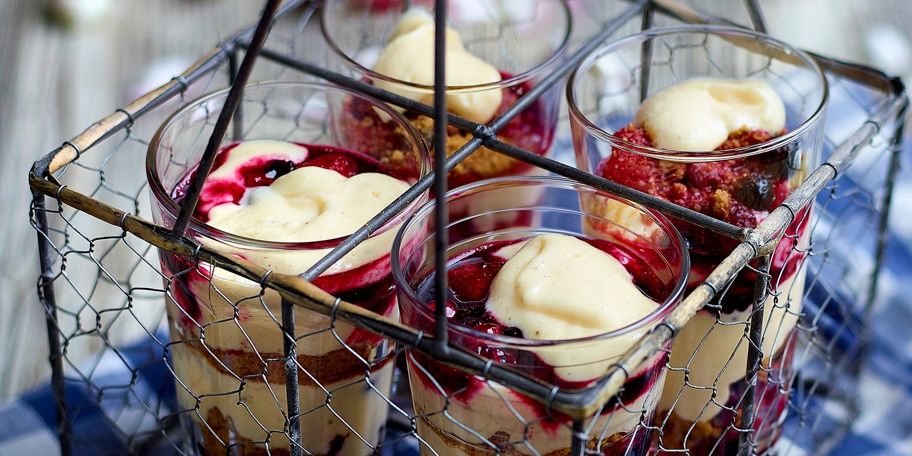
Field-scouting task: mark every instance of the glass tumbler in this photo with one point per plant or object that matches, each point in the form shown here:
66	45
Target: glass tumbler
546	300
726	122
291	180
497	51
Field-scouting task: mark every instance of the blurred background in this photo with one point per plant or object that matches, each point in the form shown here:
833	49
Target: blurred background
65	64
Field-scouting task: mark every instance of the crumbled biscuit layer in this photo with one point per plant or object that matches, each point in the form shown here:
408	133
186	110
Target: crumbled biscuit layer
481	164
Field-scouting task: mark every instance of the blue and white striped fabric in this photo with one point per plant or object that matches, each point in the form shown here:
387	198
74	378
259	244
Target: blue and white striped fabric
132	389
116	409
885	424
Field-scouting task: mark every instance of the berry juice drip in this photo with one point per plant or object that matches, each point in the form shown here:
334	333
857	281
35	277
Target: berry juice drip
470	276
260	172
377	296
740	191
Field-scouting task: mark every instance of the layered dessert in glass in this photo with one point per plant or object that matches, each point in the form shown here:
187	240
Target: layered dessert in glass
495	53
548	301
727	123
290	181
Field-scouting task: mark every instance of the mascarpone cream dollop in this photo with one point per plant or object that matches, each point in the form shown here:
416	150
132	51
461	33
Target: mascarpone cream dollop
307	204
558	287
698	115
409	57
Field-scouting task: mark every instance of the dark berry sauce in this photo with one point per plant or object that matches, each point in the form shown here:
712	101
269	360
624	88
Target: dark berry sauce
740	191
263	171
533	128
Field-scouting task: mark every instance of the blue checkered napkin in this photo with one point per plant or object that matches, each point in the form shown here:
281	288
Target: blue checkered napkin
113	406
884	426
116	408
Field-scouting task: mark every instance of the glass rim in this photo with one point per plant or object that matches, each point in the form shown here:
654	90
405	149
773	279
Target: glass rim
690	156
513	80
656	316
163	196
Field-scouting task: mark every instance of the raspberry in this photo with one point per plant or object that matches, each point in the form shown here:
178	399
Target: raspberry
494	353
471	281
489	328
344	165
634	134
713	174
638	171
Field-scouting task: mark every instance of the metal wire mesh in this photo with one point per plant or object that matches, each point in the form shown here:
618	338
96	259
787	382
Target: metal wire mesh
105	293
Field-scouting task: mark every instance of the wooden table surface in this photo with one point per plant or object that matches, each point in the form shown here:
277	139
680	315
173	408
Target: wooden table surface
55	81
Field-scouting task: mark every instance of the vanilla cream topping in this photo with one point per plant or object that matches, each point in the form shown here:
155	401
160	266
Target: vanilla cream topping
698	115
558	287
409	56
307	204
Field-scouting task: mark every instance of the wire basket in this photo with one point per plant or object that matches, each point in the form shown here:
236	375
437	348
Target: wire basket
105	294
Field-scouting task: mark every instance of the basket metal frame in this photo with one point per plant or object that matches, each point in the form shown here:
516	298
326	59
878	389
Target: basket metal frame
297	291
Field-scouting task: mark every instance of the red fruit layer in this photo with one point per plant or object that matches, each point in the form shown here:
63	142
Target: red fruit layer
361	285
740	191
263	170
469	278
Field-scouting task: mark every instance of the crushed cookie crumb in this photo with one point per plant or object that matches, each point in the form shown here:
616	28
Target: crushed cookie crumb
722	203
482	163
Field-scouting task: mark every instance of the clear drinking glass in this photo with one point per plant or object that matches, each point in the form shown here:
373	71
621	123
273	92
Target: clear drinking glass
586	317
497	51
732	151
226	337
